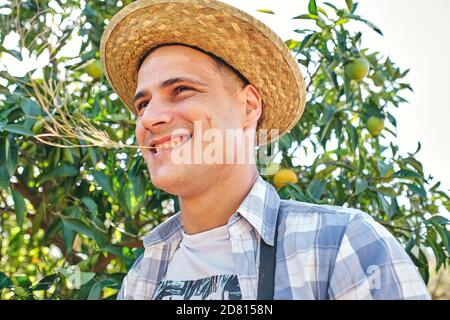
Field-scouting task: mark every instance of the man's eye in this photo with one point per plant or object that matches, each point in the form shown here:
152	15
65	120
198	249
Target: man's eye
181	89
142	105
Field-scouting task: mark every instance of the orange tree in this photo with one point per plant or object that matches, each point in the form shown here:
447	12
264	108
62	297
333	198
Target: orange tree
83	210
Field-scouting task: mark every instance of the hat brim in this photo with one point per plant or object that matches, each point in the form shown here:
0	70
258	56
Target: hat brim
231	34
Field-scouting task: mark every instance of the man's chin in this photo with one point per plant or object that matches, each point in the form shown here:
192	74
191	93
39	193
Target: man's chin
166	179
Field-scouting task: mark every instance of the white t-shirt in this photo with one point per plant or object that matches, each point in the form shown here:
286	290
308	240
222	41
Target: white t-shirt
202	268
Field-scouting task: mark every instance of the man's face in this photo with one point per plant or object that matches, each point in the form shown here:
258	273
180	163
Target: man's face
178	86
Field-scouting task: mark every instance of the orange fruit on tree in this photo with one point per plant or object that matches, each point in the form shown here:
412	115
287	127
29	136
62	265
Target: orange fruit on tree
358	69
283	177
94	69
375	125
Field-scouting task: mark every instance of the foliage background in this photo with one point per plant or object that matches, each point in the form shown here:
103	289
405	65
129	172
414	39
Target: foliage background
89	207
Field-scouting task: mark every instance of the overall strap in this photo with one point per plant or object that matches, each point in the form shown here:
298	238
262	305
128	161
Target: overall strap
267	261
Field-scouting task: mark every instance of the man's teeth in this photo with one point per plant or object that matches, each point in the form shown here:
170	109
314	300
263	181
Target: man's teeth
168	145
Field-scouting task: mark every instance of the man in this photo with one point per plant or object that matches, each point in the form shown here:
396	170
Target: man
195	68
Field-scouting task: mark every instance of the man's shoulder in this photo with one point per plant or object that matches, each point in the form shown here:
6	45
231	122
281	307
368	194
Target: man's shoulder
325	225
328	214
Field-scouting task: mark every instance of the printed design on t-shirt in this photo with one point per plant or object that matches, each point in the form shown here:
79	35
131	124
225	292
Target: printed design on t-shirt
218	287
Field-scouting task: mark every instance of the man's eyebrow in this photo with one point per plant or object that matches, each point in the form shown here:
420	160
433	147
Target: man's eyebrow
167	83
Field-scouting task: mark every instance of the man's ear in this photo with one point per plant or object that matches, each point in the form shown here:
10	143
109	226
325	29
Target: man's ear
253	107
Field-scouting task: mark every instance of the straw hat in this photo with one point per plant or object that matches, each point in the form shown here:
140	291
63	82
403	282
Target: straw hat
238	38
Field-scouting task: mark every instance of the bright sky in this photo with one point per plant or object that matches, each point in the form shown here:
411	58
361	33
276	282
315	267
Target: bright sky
414	37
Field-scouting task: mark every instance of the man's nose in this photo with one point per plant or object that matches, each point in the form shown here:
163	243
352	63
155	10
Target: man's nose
156	116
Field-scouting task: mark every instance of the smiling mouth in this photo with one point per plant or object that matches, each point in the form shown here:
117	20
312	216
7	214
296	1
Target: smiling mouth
164	147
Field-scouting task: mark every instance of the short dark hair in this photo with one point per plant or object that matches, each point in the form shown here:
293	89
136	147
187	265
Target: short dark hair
219	61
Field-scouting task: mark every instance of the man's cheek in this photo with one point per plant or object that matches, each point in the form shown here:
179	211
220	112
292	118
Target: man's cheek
139	134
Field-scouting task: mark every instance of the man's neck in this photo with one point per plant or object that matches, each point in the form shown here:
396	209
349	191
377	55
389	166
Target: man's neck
213	208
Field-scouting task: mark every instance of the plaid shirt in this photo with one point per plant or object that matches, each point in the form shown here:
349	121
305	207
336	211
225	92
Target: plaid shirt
324	252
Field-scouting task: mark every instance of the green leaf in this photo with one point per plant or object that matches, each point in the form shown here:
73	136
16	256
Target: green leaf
296	192
439	220
19	207
415	164
347	90
137	252
361	185
95	292
361	164
45	283
437	252
353	136
312	7
326	132
176	204
436	185
315	189
60	172
266	11
410	244
416	261
308	42
111	283
4	177
124	199
69	237
444	234
19	129
292	43
11	155
419	146
383	168
15	53
342	21
307	16
417	190
40	214
69	234
23	281
331	5
370	24
104	181
385	205
349	5
77	277
93	156
91	205
322	174
78	226
327	115
31	108
390	192
322	11
424	272
408	174
115	250
5	282
139	186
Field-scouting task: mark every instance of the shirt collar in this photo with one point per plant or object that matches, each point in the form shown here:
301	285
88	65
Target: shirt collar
259	208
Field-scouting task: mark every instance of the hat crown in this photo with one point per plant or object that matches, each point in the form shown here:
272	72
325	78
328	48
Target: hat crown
241	40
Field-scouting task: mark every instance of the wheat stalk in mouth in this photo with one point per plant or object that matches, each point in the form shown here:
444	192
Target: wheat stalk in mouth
66	128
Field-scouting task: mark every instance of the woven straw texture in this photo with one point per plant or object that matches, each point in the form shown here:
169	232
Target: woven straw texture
238	38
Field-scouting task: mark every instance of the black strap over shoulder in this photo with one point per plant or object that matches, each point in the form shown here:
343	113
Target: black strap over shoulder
267	261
